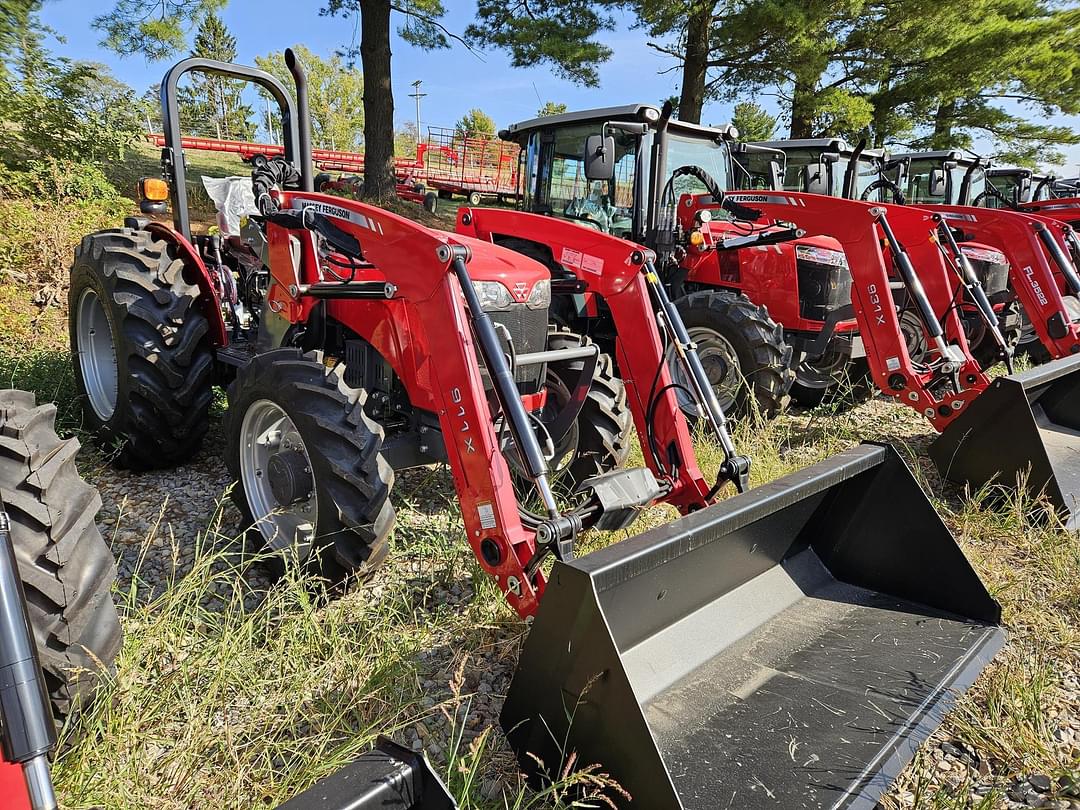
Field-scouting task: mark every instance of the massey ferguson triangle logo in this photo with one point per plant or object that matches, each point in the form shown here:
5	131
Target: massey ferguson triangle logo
521	291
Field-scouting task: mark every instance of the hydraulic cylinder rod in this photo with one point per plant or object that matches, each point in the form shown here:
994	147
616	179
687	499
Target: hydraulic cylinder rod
1064	263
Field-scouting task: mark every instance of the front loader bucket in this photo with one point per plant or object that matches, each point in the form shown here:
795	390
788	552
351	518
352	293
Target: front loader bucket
788	647
1024	426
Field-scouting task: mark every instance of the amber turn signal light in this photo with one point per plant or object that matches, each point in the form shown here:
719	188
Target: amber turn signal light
153	189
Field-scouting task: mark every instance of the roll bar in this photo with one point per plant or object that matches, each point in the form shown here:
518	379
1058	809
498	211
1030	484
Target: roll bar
295	123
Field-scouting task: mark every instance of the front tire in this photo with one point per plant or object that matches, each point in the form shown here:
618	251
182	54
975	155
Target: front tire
67	570
140	347
743	351
311	478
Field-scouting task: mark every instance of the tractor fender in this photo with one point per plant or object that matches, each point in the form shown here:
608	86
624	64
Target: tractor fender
200	275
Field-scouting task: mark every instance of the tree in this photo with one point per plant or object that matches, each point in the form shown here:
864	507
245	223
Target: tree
420	27
550	108
405	140
155	29
335	95
214	105
476	123
753	122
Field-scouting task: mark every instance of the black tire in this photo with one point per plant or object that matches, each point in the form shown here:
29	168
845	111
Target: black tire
67	570
160	338
985	350
854	387
352	480
758	343
605	425
431	202
474	198
445	195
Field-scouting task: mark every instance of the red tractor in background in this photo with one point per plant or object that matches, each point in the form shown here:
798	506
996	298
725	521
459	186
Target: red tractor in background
769	311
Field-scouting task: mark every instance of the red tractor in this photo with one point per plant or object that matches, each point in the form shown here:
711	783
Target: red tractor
354	341
769	310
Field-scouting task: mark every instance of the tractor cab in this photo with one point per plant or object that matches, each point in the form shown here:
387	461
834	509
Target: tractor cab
944	177
1015	186
833	167
638	156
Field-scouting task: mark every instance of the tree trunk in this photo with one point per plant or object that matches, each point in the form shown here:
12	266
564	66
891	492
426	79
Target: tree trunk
378	100
802	110
943	124
692	98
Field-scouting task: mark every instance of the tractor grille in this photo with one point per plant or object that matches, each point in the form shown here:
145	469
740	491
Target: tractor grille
528	329
823	288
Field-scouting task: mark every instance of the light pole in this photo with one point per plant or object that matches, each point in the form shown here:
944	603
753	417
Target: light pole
416	94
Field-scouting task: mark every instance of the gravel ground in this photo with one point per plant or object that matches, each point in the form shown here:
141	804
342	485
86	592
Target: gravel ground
464	688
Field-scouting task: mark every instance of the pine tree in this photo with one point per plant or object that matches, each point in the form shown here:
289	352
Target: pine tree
213	105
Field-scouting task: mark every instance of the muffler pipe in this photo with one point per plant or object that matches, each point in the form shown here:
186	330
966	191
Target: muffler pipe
502	379
27	731
303	113
1064	263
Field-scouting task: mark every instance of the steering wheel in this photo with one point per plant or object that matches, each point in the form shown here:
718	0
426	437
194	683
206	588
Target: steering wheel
884	182
717	193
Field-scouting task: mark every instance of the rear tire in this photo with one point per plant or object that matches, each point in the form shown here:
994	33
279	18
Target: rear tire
726	324
350	511
146	382
67	570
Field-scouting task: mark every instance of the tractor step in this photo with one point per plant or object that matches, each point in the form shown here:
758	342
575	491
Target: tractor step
790	646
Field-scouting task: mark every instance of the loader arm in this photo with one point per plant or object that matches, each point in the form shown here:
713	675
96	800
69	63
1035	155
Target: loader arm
616	270
489	509
1024	241
859	227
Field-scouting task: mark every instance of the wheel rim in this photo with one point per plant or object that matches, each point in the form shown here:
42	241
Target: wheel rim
265	432
97	355
911	328
721	365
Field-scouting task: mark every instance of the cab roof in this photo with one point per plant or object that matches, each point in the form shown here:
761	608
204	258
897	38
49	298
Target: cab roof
830	144
639	113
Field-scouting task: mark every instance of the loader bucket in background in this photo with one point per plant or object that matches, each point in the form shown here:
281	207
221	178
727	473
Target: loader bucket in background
1024	425
788	647
389	777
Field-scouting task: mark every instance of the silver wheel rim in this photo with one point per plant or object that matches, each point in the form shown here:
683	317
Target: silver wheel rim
721	367
97	355
265	430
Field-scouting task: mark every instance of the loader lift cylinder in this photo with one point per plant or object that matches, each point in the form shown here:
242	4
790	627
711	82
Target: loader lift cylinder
26	724
970	279
1068	269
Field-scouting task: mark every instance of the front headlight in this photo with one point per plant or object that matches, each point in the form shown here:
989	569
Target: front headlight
981	254
820	255
494	296
540	297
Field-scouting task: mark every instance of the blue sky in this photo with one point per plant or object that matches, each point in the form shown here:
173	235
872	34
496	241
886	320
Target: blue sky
454	79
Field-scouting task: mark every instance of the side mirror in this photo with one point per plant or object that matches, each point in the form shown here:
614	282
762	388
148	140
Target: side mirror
937	183
599	157
816	178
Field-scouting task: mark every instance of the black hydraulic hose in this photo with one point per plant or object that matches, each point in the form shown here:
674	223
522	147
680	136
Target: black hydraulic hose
852	173
27	732
303	114
1064	263
906	269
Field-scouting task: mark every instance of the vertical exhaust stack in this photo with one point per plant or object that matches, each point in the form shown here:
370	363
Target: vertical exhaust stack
303	123
1024	426
791	646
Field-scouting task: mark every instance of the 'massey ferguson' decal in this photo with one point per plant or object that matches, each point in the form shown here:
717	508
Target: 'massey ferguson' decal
957	215
775	199
336	211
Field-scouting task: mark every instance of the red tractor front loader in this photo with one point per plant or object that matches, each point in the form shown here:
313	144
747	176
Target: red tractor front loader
433	348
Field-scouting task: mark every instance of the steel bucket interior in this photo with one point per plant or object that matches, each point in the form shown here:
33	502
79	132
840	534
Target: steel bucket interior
789	647
1023	428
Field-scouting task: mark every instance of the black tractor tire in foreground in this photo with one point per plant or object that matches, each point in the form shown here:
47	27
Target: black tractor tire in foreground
350	511
721	322
1010	321
67	570
602	435
131	310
